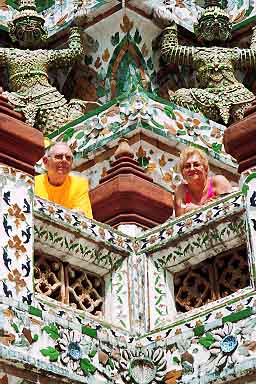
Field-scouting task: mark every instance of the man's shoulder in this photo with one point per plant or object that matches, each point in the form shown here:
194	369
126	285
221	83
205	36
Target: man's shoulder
78	181
39	178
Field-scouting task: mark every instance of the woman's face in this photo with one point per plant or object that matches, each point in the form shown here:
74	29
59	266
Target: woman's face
193	168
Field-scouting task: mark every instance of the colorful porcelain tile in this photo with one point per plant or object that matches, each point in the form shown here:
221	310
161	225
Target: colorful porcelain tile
16	233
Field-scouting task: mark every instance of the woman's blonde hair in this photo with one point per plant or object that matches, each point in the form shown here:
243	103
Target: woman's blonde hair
189	151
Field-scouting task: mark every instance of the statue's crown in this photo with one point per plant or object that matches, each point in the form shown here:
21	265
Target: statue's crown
27	9
214	23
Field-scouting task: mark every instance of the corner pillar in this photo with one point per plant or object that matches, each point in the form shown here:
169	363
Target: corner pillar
21	146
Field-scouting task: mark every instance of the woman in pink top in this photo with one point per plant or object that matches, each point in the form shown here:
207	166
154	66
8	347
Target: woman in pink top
199	187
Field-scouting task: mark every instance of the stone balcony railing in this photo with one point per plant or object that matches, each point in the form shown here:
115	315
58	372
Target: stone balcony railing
139	321
138	272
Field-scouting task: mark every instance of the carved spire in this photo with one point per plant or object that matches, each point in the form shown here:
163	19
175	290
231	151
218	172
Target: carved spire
214	24
127	195
125	164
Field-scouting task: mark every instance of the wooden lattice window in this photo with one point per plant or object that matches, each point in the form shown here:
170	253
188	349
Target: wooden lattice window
211	280
68	284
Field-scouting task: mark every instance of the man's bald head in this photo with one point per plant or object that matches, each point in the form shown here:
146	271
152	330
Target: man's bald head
58	147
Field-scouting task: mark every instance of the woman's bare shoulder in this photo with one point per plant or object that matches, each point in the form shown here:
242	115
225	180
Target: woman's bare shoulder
221	184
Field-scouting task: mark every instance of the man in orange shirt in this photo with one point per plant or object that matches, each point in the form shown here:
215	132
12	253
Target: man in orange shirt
58	186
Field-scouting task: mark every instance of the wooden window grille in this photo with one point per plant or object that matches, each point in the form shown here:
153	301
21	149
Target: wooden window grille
68	284
212	279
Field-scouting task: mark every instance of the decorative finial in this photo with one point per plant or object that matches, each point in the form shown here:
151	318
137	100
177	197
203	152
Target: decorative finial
123	149
27	4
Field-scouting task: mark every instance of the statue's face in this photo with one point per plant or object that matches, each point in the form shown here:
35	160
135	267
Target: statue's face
28	32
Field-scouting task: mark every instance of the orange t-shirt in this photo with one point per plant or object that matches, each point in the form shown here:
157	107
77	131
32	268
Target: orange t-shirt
72	194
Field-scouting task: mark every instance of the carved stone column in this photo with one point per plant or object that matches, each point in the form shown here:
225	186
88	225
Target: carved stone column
20	147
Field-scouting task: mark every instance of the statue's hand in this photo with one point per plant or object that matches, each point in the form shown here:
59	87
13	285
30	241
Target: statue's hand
74	31
163	17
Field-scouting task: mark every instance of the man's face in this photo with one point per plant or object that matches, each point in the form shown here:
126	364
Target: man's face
59	162
194	169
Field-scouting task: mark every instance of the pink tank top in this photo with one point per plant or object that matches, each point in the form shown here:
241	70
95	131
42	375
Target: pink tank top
210	193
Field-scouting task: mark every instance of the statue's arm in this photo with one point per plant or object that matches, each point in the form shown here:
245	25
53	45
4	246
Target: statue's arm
67	56
171	51
4	56
247	57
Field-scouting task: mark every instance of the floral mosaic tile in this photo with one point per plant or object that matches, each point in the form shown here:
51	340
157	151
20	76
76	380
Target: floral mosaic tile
249	190
16	233
183	226
80	224
186	12
59	14
214	342
231	334
143	112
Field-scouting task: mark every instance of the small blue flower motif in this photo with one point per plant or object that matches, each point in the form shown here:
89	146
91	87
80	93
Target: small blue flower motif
74	351
228	344
222	350
71	351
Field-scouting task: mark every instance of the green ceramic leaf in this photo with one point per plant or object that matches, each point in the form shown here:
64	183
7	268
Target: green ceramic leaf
92	353
35	338
169	112
87	366
123	323
114	127
68	134
51	352
176	360
216	147
110	363
15	327
102	74
199	330
207	340
92	332
80	135
143	161
52	331
35	311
